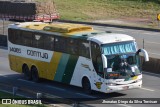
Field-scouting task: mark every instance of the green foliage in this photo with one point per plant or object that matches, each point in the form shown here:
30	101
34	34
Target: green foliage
7	95
105	9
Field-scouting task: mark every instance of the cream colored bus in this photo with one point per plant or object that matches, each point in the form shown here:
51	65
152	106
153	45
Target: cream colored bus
75	54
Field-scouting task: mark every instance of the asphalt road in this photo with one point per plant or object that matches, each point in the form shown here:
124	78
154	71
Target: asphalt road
150	89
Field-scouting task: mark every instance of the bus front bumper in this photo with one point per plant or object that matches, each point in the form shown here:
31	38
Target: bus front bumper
117	88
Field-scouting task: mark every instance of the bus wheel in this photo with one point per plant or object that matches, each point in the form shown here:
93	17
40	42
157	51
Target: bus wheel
27	73
86	85
35	76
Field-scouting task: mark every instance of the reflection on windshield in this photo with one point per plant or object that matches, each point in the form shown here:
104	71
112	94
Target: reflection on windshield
126	65
115	60
122	60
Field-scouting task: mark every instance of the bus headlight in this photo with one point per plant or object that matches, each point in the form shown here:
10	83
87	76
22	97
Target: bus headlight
111	84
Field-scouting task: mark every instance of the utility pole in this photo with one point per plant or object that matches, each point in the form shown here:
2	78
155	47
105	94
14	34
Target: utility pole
3	26
143	43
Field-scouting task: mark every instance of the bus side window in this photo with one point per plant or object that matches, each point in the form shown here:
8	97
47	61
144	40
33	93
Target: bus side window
26	38
60	44
96	56
72	46
84	48
95	50
49	42
38	41
18	37
11	35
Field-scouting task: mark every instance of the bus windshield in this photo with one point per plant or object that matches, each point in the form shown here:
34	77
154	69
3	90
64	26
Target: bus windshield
119	48
122	59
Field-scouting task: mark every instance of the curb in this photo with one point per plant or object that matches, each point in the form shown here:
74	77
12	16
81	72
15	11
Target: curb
111	25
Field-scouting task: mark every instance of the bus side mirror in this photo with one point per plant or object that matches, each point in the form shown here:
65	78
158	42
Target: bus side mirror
145	54
104	60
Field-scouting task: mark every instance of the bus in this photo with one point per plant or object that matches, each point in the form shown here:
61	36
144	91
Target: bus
77	55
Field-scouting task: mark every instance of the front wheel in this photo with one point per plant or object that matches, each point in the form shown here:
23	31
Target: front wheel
86	85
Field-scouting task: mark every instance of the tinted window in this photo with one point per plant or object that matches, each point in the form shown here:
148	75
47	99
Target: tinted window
95	50
60	44
49	42
38	41
84	48
72	46
96	57
17	37
26	38
11	35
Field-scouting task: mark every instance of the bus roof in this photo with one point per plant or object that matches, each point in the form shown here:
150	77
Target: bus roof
75	31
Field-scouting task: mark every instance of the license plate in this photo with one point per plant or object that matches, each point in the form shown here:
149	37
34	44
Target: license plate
126	87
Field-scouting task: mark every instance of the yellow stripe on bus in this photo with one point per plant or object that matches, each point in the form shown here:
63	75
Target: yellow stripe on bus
79	32
54	65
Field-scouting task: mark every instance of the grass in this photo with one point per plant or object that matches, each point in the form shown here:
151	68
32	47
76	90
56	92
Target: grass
90	10
100	9
7	95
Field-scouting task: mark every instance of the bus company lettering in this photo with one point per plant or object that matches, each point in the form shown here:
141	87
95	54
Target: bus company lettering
37	54
13	49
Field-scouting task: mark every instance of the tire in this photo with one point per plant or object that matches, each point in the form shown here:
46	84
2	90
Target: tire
27	73
35	76
86	85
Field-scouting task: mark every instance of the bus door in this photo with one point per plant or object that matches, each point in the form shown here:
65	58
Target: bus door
97	61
